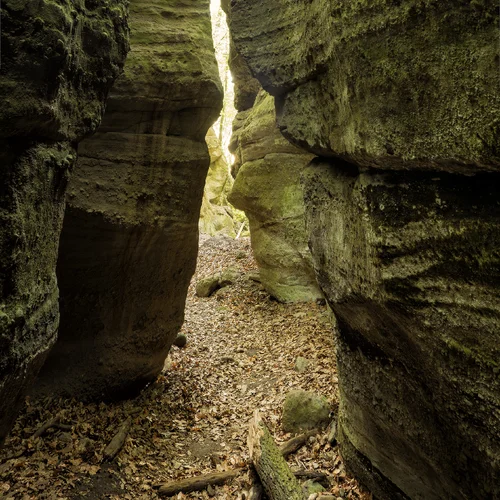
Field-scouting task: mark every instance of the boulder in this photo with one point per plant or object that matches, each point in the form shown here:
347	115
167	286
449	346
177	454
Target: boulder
301	364
207	286
267	188
310	487
229	276
304	410
59	60
130	237
379	85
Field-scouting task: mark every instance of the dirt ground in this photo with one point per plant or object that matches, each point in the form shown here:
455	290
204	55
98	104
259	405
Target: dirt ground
240	356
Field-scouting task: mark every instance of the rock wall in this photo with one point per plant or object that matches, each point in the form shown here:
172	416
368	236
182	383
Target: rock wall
216	215
267	188
59	60
129	241
401	102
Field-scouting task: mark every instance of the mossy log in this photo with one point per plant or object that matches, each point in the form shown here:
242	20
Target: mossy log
277	478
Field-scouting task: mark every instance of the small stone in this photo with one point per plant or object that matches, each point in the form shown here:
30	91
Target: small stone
211	491
311	487
301	364
180	341
304	410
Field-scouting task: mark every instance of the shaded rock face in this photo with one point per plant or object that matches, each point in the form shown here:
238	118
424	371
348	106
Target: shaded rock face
401	101
59	60
267	188
410	264
129	241
216	216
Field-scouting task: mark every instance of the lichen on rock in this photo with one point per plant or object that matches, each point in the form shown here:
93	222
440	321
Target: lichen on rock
267	188
59	59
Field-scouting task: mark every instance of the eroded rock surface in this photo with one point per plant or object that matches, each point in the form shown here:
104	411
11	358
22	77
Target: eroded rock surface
216	216
267	188
401	100
129	242
393	85
59	60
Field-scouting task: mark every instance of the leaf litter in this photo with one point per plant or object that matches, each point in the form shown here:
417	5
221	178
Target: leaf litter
240	356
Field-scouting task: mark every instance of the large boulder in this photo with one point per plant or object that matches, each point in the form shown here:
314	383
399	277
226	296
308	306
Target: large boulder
59	60
130	237
401	100
267	188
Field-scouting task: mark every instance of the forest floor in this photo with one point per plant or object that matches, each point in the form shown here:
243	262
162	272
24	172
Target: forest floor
240	356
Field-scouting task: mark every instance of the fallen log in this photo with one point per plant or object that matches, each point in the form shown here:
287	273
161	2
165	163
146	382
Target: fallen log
118	440
276	477
197	483
294	444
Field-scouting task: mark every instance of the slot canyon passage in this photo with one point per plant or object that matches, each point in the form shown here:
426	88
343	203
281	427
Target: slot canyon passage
333	263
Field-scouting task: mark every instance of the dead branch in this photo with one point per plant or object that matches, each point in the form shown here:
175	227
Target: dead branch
197	483
51	422
294	444
118	440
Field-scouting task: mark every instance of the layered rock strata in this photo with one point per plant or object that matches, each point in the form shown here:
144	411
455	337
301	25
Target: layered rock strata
129	241
58	62
267	188
401	101
216	216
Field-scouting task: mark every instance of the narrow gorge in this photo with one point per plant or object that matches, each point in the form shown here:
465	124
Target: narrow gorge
351	231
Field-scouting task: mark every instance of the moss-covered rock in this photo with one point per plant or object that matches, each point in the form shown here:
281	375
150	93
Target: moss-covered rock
216	215
402	84
267	188
304	410
59	59
129	242
410	266
408	260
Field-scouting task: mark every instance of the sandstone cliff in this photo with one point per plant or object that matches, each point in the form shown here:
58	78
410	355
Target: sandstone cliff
129	241
59	60
216	215
401	101
267	188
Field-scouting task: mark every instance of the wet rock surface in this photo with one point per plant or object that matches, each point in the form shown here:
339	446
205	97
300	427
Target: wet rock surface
129	241
59	60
